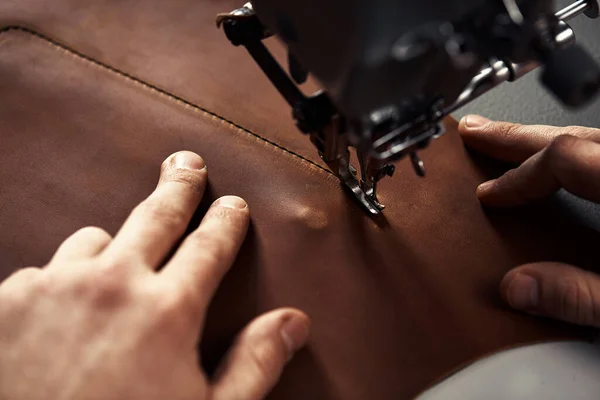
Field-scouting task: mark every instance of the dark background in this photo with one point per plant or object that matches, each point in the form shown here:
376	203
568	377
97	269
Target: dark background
527	102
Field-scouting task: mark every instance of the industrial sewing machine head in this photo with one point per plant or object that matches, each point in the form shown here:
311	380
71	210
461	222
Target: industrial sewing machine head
391	70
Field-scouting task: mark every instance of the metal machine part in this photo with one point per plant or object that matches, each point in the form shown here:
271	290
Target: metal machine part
393	71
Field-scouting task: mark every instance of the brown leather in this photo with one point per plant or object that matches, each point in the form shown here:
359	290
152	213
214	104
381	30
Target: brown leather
396	303
174	45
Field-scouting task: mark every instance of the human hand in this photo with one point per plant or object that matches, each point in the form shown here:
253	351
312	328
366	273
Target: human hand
551	158
100	322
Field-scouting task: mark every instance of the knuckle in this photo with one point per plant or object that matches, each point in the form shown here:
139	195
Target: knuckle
576	303
508	130
516	137
518	186
23	275
581	132
560	153
202	238
562	145
573	130
168	308
229	216
193	179
106	286
512	183
16	289
92	231
510	175
568	301
167	213
174	311
34	280
12	299
41	283
265	357
211	246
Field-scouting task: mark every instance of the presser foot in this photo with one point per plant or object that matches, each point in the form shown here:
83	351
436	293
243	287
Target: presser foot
332	142
347	174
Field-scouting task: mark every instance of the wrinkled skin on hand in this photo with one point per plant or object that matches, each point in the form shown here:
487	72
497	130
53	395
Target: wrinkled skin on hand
550	159
100	322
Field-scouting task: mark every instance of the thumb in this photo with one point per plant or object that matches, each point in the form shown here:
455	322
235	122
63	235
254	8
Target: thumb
255	362
555	290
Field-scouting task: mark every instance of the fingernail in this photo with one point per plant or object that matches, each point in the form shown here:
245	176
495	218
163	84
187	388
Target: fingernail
231	202
188	160
475	121
485	187
294	333
523	292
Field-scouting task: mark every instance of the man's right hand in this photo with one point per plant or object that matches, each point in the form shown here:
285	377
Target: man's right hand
551	158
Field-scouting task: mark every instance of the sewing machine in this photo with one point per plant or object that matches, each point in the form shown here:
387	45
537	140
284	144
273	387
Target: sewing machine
393	70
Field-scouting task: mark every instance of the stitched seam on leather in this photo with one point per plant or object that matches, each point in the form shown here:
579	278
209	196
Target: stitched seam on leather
158	90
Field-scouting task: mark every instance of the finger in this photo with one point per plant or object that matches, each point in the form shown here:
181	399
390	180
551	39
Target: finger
556	290
569	163
14	289
514	142
158	222
206	254
20	277
85	243
257	358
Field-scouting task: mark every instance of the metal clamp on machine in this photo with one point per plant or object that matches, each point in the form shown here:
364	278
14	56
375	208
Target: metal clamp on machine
393	71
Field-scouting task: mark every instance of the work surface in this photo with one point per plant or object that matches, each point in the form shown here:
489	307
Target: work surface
87	117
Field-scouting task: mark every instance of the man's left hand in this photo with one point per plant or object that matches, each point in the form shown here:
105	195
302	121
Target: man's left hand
550	158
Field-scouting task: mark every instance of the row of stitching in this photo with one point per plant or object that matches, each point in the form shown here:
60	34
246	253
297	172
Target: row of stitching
160	91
